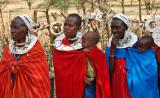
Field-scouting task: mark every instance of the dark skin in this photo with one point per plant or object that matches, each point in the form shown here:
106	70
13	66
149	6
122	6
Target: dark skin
143	45
88	40
19	30
118	29
70	28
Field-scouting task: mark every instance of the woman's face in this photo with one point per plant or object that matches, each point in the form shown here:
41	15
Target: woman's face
18	30
70	28
118	28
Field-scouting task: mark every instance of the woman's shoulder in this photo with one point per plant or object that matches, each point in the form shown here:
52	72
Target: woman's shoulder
133	35
130	40
6	48
58	43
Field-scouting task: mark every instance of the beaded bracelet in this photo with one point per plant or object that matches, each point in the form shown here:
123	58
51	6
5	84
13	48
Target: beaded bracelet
112	55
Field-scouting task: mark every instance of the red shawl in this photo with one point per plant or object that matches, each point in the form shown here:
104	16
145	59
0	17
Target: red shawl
119	80
157	53
32	74
70	73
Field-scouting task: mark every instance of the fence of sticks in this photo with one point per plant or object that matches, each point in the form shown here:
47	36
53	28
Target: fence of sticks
98	21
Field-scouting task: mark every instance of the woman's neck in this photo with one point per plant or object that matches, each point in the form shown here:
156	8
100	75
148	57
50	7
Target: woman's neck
72	41
20	43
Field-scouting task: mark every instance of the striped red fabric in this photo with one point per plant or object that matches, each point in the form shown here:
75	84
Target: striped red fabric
102	75
70	73
31	71
157	53
119	87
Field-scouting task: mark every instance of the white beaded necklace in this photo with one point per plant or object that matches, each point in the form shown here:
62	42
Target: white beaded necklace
20	44
29	43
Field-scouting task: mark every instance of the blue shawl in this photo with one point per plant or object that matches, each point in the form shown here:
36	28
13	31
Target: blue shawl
142	73
119	53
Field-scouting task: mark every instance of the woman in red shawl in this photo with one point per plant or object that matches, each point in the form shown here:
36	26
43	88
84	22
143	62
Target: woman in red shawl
24	70
70	64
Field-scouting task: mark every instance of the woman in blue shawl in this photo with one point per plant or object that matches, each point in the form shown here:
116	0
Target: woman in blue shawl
138	68
142	73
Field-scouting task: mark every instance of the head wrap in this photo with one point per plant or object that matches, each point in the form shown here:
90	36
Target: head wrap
30	41
123	18
28	21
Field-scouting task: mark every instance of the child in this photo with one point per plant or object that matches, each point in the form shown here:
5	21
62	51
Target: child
145	43
89	40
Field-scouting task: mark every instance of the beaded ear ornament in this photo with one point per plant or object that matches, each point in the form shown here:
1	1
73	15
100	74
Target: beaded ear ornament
157	24
155	31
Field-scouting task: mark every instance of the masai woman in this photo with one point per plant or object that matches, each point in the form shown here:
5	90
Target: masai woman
24	71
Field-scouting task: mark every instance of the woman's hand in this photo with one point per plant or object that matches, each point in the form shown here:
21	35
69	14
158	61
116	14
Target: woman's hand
114	42
112	54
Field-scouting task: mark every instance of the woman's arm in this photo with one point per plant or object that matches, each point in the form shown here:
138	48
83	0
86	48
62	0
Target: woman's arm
112	55
111	62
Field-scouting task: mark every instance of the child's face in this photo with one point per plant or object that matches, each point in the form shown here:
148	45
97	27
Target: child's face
86	41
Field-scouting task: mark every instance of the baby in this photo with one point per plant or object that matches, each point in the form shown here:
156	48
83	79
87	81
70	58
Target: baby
145	43
89	40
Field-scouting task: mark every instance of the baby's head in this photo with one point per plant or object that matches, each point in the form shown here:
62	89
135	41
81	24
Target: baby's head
90	39
145	42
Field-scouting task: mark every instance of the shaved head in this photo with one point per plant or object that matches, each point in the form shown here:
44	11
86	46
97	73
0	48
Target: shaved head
93	35
90	39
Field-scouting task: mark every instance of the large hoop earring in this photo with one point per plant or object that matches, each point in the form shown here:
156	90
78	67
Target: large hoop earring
150	29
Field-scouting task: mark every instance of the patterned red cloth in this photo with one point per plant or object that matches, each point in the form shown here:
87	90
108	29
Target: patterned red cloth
31	71
70	73
119	80
157	53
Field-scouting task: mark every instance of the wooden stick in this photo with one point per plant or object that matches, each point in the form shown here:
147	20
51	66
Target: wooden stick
63	14
51	47
3	26
35	16
122	3
140	10
55	18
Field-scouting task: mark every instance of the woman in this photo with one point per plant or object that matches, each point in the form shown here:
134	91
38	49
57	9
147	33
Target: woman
116	53
70	65
24	71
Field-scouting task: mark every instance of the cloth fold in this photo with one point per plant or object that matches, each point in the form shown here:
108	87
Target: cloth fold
119	86
70	73
31	71
142	73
